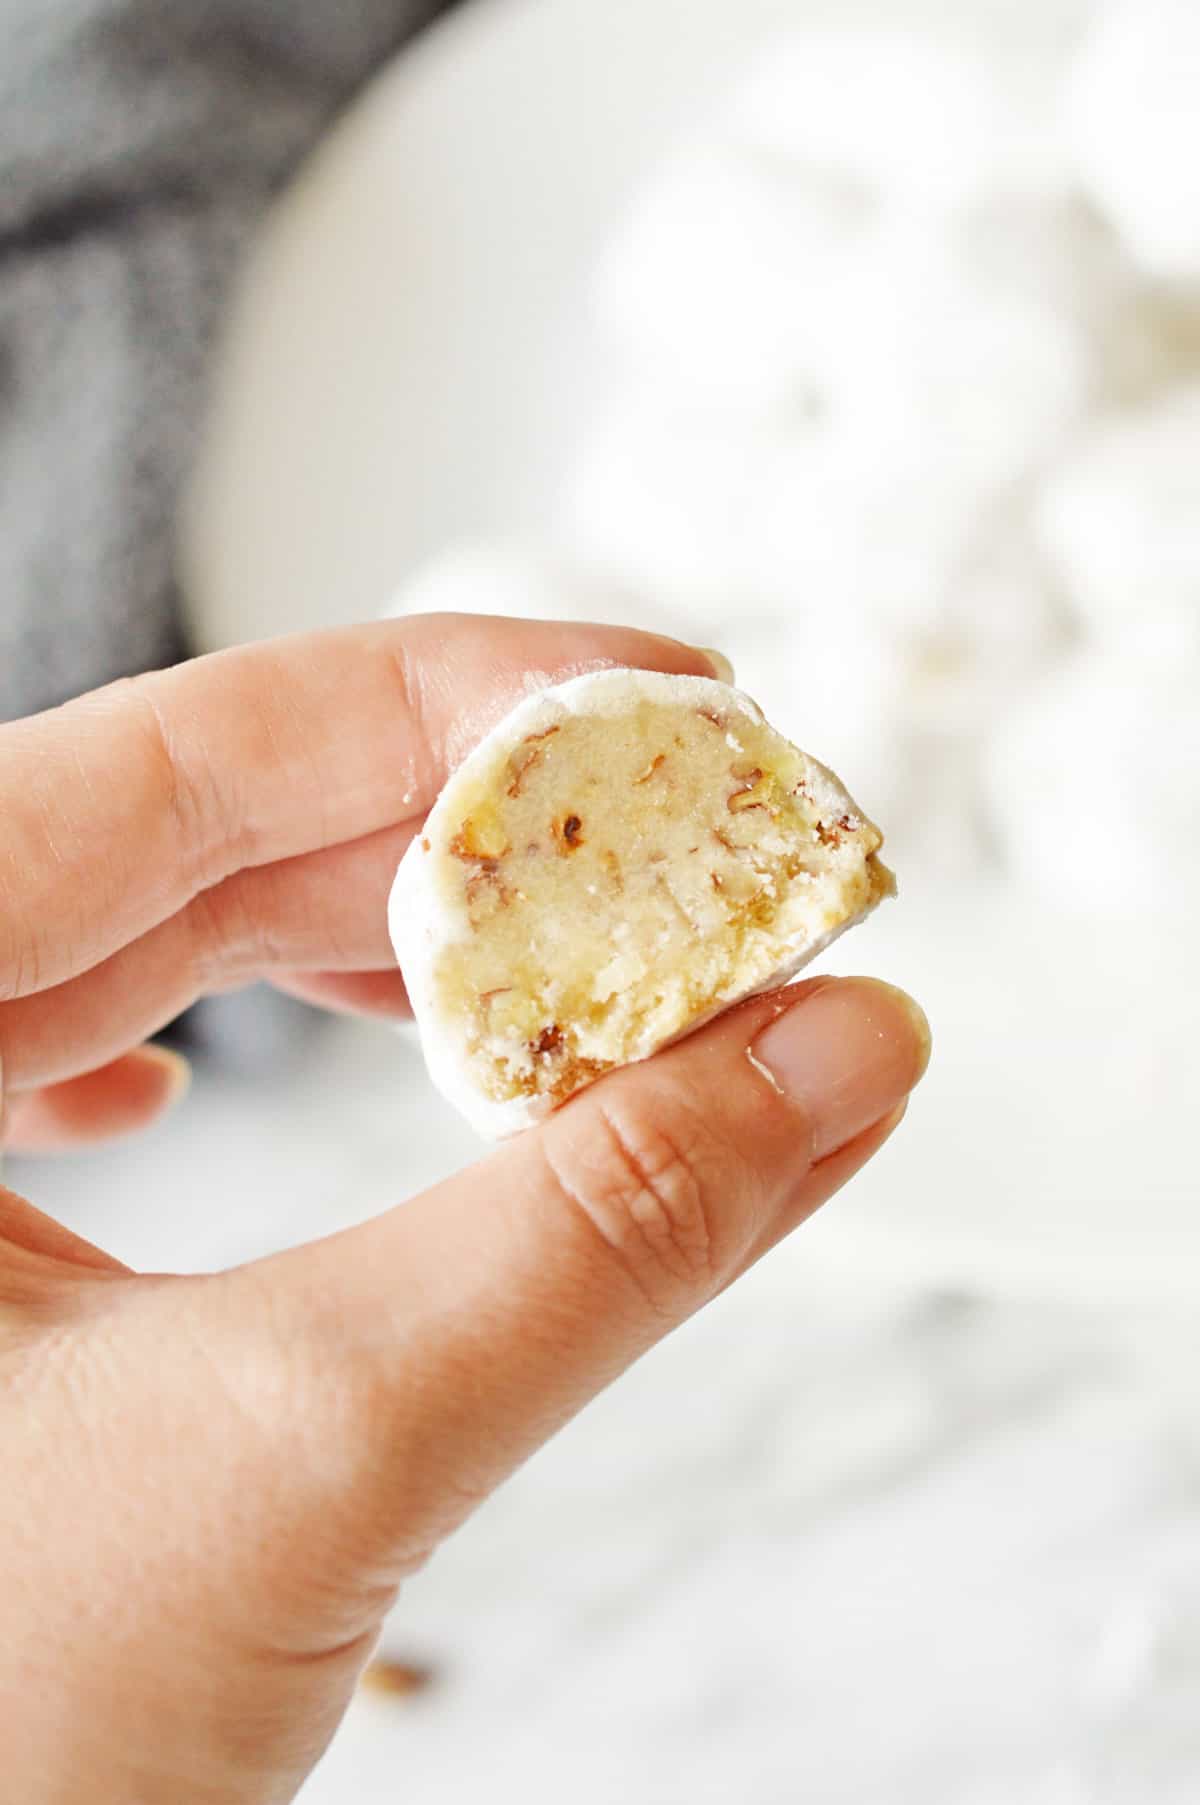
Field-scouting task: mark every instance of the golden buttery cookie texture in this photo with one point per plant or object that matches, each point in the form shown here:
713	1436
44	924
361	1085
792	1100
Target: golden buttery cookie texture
624	856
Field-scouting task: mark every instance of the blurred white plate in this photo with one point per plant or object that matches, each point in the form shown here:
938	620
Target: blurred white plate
404	365
407	364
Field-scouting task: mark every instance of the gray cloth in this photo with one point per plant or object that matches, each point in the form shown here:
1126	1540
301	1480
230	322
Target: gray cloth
140	141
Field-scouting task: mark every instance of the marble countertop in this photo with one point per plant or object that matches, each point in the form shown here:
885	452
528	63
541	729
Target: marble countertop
854	1538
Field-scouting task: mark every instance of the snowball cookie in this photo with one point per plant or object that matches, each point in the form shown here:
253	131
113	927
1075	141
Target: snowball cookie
727	284
622	857
880	107
1133	110
1122	518
1094	786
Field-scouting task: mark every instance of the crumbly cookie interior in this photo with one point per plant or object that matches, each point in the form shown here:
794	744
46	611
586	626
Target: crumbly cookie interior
619	877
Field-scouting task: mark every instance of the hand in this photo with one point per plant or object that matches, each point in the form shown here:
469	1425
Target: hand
213	1487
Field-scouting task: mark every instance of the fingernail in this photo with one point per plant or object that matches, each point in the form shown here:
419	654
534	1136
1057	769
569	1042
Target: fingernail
721	667
176	1070
848	1053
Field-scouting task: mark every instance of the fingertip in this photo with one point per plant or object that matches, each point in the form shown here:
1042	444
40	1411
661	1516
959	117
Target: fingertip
902	1004
847	1052
165	1075
720	666
119	1099
679	658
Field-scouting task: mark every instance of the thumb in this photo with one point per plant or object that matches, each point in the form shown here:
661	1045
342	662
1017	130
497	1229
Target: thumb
475	1320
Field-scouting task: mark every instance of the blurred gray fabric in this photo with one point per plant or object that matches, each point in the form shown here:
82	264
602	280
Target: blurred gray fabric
140	141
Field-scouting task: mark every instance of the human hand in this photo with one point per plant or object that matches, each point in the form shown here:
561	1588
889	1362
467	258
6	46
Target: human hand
213	1486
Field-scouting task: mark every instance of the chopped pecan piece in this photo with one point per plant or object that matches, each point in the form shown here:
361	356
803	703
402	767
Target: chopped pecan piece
569	833
832	836
575	1073
521	768
754	790
486	891
521	764
481	836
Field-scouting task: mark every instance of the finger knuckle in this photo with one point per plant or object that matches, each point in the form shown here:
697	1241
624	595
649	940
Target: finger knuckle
231	939
205	818
649	1180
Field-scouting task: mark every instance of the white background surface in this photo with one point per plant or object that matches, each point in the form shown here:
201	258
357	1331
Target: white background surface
914	1514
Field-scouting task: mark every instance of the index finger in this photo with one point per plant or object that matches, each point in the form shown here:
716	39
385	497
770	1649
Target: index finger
117	809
